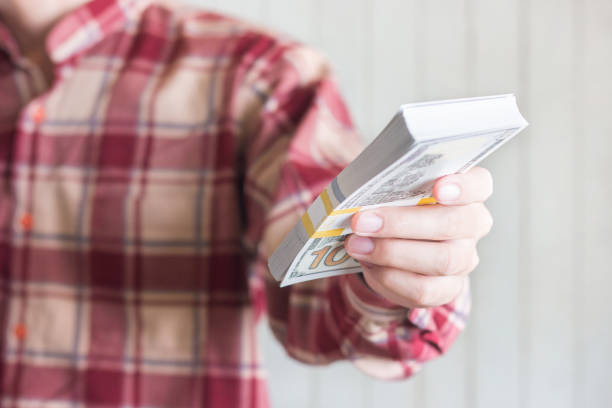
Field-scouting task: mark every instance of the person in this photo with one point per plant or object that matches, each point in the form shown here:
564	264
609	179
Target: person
152	158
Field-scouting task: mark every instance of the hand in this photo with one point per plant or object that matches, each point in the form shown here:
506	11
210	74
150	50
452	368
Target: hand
421	256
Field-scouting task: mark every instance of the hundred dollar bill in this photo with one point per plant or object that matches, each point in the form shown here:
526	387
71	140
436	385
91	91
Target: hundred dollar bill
422	142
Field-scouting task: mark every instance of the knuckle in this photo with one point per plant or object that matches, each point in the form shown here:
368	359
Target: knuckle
475	260
471	261
450	224
455	290
481	220
487	221
421	294
386	279
445	259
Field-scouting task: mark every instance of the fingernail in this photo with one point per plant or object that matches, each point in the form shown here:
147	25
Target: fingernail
360	245
368	222
449	192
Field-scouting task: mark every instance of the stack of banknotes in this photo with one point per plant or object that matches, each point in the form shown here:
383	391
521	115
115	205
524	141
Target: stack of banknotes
421	143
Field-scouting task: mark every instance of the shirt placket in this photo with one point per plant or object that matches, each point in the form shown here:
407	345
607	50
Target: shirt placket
30	121
31	87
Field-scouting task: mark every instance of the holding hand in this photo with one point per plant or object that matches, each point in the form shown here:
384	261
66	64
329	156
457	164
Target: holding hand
420	256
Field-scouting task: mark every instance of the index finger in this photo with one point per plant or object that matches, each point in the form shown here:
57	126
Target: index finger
475	186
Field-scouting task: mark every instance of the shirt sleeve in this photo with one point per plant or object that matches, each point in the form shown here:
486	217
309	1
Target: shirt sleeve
298	137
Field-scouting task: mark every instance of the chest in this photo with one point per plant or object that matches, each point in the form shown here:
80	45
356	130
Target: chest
116	159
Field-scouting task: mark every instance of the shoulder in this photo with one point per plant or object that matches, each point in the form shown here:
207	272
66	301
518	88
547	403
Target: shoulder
202	35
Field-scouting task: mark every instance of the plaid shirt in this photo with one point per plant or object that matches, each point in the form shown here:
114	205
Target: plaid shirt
140	194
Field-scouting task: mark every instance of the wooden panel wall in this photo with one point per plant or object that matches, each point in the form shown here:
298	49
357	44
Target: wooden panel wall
540	334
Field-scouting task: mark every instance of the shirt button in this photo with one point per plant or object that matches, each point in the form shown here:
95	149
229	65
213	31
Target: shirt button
20	331
39	114
26	221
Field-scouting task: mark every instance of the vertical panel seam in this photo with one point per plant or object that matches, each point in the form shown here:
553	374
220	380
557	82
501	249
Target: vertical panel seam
471	365
578	234
524	292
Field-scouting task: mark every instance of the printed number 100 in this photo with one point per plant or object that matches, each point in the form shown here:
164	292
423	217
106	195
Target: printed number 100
329	256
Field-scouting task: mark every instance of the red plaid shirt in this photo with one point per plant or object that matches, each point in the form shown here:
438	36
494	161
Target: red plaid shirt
136	190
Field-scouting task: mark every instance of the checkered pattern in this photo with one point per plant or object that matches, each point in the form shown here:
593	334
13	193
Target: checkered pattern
140	194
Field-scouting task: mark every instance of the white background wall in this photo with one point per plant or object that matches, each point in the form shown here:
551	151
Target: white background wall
540	334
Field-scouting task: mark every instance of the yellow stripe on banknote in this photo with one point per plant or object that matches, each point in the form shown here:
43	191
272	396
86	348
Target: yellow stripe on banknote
307	223
326	202
346	211
328	233
427	201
